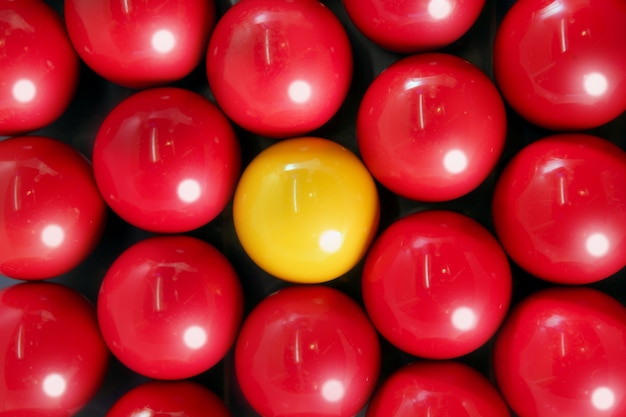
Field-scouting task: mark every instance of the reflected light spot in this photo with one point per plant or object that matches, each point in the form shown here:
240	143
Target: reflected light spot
142	413
189	190
299	91
597	245
195	337
24	91
595	84
54	385
163	41
463	318
52	236
455	161
603	398
331	241
333	390
439	9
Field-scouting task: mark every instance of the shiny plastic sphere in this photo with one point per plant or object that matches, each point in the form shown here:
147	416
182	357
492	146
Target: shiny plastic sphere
40	68
169	399
53	359
414	25
307	351
431	127
51	214
561	353
436	284
279	68
437	389
558	208
170	306
560	63
140	43
166	160
306	210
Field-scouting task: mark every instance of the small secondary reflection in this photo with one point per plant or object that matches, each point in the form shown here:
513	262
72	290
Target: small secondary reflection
163	41
597	245
24	91
142	413
195	337
595	84
299	91
463	318
333	390
439	9
330	241
54	385
189	190
52	236
455	161
603	398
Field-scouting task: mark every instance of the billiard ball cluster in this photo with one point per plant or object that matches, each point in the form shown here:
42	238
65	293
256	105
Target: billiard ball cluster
299	208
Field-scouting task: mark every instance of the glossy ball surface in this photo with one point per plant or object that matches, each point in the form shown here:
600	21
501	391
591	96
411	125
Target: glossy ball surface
40	68
437	389
53	357
166	160
560	63
140	43
306	210
169	399
436	284
170	306
561	352
414	25
279	68
431	127
51	213
558	208
307	350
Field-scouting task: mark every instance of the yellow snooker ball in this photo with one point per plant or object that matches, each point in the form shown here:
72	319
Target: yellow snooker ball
306	210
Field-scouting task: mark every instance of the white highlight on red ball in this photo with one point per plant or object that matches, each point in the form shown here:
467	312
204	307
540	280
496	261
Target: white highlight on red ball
603	398
189	190
463	318
595	84
52	236
24	91
195	337
163	41
142	413
331	241
299	91
333	390
455	161
597	245
54	385
439	9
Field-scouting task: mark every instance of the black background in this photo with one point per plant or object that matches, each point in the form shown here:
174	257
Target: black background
96	97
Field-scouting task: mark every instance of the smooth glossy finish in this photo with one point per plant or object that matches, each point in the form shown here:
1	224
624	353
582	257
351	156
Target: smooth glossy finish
561	353
39	66
306	210
307	350
431	127
170	306
412	26
140	43
436	284
560	63
279	68
437	389
53	357
169	399
166	160
51	214
558	208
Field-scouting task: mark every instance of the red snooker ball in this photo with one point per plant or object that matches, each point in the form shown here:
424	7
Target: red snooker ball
436	284
53	357
51	213
437	389
558	208
431	127
39	66
414	25
560	63
166	160
170	306
561	353
307	350
279	68
140	44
